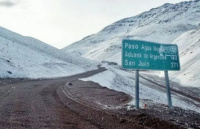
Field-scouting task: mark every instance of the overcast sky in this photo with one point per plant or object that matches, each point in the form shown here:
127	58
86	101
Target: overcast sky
62	22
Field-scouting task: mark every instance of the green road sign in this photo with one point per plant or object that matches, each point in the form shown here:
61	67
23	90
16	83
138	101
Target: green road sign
148	55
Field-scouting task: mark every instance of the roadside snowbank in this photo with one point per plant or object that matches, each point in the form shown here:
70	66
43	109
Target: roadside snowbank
112	79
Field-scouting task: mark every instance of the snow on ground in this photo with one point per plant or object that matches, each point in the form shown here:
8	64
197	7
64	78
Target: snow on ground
121	80
189	46
25	57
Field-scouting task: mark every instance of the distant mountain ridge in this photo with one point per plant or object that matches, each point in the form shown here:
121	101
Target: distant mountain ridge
164	24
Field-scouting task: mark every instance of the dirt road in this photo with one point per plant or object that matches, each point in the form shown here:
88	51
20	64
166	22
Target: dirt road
68	103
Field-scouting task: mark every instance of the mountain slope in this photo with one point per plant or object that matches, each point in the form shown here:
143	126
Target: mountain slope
170	23
189	46
26	57
162	24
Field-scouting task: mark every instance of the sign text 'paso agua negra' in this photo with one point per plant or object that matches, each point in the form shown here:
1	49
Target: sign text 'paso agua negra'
148	55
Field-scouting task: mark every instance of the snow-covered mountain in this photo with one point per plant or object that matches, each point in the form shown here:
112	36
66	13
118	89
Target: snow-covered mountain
26	57
165	24
189	47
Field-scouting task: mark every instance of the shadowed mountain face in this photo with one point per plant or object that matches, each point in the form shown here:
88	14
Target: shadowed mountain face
163	24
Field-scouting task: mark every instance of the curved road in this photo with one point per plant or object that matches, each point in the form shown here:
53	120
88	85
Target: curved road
52	103
41	104
35	104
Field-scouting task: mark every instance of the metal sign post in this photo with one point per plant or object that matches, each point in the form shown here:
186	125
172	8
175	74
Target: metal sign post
137	89
168	89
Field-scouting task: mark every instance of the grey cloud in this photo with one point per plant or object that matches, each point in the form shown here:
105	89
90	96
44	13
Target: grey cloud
7	3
